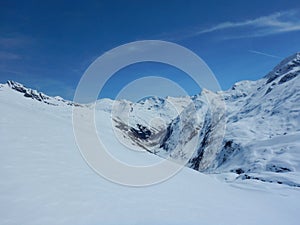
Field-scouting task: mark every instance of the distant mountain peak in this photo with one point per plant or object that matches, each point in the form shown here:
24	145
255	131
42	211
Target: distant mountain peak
153	99
289	66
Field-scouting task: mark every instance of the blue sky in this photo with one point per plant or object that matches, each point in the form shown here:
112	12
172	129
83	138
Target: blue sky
47	45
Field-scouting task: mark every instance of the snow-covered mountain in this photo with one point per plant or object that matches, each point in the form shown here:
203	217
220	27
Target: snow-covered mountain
262	117
44	179
262	127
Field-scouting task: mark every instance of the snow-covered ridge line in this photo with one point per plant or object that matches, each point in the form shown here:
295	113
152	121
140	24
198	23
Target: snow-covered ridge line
39	96
287	67
263	120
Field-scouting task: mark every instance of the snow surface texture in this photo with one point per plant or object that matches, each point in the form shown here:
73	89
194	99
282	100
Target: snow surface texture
46	181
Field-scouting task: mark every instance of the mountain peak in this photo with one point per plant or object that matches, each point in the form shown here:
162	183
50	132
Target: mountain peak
29	93
15	85
289	66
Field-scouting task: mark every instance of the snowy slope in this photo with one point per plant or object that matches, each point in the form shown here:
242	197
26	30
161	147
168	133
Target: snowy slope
46	181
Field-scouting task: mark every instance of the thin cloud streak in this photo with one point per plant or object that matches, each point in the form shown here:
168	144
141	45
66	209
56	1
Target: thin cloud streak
276	23
265	54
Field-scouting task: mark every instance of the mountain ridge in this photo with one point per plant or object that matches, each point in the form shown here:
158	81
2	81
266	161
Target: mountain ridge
265	111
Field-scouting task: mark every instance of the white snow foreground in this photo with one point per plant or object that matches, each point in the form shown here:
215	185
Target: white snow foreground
44	179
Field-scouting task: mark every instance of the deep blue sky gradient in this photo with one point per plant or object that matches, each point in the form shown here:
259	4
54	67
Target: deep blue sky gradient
48	45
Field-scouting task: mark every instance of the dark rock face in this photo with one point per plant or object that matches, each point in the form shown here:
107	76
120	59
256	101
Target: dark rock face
140	135
142	132
268	91
239	171
228	150
287	77
16	86
166	137
268	180
205	133
278	169
28	93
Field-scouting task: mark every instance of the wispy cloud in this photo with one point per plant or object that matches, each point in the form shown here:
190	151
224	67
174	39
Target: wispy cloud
265	54
275	23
